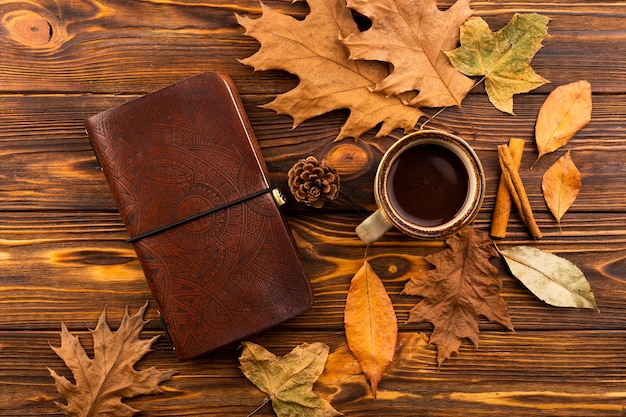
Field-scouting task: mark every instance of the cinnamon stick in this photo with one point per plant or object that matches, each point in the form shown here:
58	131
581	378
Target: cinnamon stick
517	191
502	208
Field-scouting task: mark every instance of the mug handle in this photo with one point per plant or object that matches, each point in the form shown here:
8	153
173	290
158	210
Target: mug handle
374	227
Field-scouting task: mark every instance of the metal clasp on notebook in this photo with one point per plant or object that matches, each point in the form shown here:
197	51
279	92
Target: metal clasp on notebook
279	197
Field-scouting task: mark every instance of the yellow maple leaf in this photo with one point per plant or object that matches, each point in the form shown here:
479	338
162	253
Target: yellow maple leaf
288	380
502	58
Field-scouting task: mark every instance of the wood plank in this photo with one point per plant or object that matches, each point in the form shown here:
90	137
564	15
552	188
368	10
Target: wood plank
69	267
568	373
44	151
98	47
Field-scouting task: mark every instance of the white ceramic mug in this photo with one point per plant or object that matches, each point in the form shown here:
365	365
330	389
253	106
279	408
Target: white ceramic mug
429	184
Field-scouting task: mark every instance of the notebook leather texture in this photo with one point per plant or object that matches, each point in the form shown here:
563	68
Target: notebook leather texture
193	190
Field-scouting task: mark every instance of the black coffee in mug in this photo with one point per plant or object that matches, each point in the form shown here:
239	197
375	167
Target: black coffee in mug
427	184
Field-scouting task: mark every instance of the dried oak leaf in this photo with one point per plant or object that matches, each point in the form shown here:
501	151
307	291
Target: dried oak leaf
312	50
103	381
561	184
503	58
463	286
288	381
370	324
566	110
412	35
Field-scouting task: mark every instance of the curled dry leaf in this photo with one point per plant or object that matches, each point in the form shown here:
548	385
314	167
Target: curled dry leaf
288	381
370	324
415	47
312	50
503	57
554	280
561	184
564	112
342	376
463	286
103	381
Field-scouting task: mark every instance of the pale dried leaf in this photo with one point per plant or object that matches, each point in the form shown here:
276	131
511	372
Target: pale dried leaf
312	50
288	380
553	279
463	286
564	112
103	381
561	184
412	35
370	323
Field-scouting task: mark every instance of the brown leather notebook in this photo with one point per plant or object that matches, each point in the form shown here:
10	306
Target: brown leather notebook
194	192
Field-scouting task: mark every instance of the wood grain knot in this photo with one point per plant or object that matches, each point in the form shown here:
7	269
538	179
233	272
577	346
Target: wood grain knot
28	27
348	158
391	267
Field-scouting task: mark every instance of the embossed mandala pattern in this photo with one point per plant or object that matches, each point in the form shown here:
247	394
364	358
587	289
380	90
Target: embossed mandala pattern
185	150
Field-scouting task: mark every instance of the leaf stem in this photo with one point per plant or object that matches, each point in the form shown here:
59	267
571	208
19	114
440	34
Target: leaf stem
256	410
478	82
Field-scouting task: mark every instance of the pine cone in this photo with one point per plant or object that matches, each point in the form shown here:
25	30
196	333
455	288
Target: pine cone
312	182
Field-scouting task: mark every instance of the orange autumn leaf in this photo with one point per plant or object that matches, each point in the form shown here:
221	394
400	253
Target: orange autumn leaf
370	324
463	286
412	36
564	112
561	184
312	50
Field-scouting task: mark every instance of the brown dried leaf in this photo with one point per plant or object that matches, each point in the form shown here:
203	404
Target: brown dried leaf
413	35
370	324
561	184
463	286
103	381
564	112
312	50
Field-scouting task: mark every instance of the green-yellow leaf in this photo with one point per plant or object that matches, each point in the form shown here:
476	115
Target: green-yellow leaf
288	380
503	57
553	279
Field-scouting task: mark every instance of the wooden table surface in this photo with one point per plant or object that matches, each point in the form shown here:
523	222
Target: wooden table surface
63	255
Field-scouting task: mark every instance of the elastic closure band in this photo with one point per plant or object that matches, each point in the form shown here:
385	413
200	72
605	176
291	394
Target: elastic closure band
197	216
